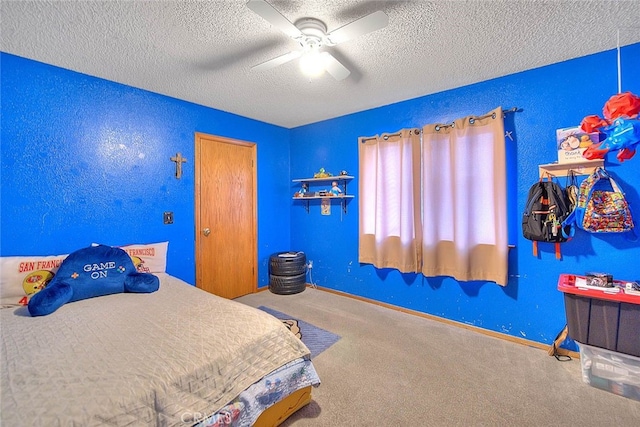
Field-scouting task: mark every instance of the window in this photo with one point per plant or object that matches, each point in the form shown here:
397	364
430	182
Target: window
390	210
437	204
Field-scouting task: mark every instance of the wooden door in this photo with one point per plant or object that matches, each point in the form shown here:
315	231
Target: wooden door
226	230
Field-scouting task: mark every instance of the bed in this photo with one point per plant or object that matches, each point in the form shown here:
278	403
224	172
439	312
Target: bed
175	357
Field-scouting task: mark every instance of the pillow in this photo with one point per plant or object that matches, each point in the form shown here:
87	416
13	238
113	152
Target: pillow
91	272
148	258
23	276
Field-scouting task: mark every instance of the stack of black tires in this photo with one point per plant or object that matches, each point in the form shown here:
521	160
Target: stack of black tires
287	273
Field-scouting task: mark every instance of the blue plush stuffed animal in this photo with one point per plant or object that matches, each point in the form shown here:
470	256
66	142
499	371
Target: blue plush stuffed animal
91	272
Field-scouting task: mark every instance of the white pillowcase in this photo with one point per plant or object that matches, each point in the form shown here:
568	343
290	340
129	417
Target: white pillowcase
148	258
23	276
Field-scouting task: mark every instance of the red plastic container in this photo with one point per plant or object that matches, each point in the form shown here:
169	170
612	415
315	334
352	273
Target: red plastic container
602	317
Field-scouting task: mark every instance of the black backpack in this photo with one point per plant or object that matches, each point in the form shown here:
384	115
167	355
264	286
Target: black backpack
547	207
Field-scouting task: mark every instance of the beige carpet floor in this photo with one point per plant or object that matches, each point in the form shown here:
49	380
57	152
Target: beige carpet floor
396	369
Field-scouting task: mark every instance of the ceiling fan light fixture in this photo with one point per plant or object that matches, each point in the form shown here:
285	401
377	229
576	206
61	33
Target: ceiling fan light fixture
311	34
312	63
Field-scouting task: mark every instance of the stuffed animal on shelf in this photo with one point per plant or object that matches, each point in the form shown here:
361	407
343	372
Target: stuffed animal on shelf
620	125
91	272
303	189
335	190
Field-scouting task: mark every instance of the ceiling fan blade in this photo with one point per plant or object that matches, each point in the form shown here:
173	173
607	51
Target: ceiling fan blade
272	16
279	60
364	25
334	67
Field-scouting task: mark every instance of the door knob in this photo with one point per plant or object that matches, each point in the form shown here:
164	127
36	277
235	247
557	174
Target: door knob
206	231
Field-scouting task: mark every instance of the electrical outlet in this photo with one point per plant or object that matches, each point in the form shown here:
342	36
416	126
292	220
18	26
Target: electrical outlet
310	265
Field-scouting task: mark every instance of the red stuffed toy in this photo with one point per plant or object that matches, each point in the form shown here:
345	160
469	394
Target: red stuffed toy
620	124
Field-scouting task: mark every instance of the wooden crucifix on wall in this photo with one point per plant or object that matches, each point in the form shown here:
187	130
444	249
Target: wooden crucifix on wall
179	161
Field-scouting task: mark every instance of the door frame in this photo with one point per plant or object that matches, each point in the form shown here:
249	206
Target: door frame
198	136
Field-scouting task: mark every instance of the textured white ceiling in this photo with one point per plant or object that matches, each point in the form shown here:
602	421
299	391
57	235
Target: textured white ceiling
202	51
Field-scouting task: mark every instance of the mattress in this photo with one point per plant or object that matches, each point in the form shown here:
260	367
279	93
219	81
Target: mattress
137	359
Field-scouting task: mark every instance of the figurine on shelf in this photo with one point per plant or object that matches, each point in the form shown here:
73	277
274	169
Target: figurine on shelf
335	190
303	189
321	174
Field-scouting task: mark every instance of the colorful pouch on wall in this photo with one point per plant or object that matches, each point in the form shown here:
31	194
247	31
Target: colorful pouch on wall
607	212
601	210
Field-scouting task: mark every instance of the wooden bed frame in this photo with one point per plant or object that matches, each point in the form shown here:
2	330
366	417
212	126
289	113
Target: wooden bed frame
278	413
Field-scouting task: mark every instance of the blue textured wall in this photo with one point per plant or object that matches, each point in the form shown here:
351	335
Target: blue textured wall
530	306
87	160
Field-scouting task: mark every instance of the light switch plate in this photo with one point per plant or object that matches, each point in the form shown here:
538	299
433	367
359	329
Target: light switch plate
168	217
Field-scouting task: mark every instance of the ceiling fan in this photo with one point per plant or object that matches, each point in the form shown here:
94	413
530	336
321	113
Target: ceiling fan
312	35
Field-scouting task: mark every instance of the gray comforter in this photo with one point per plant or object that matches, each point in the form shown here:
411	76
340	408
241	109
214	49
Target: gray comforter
136	359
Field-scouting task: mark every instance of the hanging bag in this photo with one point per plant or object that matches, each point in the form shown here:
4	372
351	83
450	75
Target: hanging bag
547	207
571	189
601	208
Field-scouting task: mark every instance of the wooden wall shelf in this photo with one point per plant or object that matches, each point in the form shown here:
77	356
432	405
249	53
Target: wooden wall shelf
562	169
341	179
325	179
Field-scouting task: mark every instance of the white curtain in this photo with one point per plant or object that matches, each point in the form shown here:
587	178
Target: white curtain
389	192
464	213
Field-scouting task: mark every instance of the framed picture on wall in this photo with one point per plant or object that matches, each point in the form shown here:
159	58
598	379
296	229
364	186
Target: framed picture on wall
325	207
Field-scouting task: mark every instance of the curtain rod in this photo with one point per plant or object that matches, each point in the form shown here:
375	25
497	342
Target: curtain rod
472	119
386	136
440	126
